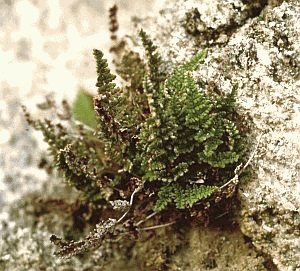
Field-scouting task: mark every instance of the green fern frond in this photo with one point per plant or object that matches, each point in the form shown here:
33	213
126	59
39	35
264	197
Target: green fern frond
182	196
154	60
188	131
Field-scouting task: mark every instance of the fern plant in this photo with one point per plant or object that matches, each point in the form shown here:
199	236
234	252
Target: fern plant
186	133
171	133
163	133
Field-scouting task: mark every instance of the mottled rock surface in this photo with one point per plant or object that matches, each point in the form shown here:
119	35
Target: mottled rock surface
259	51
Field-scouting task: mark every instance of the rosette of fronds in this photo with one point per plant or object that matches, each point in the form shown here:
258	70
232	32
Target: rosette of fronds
176	135
164	129
160	135
189	137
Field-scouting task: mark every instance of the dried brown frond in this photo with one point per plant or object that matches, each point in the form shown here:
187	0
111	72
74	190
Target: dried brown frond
113	22
94	240
67	112
30	121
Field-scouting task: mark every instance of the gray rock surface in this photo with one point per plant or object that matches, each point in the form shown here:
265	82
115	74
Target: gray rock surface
262	55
